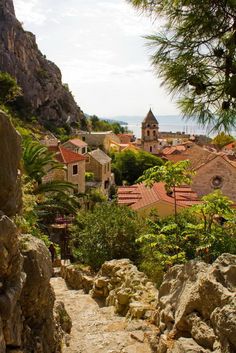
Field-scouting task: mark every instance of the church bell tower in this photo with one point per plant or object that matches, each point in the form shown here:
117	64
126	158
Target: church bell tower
150	130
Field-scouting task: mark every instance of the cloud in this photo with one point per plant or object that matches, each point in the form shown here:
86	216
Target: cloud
30	12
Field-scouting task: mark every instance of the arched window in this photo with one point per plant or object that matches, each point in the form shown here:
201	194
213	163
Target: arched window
154	132
148	133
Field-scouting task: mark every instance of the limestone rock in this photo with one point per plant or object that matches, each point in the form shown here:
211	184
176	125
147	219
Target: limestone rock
122	285
44	95
37	298
62	317
197	305
10	153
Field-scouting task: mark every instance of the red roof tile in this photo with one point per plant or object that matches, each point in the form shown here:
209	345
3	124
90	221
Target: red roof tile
139	196
65	155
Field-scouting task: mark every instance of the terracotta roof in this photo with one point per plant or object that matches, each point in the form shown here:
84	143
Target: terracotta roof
78	143
150	118
197	155
230	146
139	196
173	149
65	155
100	156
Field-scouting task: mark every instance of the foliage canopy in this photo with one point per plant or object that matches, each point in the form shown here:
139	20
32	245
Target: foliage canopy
108	232
195	55
130	165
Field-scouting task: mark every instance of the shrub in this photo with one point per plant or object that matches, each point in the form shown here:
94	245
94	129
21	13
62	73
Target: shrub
108	232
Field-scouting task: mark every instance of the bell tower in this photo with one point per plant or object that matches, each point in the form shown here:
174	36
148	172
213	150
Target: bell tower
150	130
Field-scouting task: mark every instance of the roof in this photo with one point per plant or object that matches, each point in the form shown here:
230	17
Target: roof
77	143
197	155
221	155
150	118
230	146
139	196
173	149
66	156
100	156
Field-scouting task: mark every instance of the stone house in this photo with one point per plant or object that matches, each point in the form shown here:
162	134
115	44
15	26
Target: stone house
76	145
218	172
99	163
100	139
126	138
144	199
213	170
74	171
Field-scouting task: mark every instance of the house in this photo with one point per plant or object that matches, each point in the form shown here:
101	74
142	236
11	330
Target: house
212	170
217	172
74	171
76	145
144	199
126	138
100	139
230	149
99	163
196	154
118	147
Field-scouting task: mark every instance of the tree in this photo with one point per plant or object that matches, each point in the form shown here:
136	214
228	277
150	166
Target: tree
172	174
129	165
108	232
222	139
206	231
195	55
9	90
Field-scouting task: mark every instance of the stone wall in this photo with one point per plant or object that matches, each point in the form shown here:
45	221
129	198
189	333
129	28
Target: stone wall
218	167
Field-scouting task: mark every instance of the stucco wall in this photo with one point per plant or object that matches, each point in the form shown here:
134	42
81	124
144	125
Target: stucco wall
202	181
78	179
163	209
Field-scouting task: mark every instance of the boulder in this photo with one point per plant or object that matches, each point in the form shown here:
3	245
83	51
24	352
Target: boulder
197	305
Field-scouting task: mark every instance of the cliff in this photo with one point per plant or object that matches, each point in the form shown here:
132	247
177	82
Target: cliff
44	95
28	322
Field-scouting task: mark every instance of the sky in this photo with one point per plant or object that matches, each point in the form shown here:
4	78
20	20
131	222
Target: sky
100	49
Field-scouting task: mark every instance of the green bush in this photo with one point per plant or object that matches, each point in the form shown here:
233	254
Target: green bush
204	231
108	232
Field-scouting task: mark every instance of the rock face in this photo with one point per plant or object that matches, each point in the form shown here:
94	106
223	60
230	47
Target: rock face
40	79
37	299
27	322
10	151
197	308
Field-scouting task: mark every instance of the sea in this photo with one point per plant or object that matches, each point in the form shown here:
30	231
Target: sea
167	123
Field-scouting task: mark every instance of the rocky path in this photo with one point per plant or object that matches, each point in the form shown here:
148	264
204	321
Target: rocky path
97	329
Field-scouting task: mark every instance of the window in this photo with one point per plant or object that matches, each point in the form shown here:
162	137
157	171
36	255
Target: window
154	133
83	138
217	182
83	150
108	167
148	133
75	169
150	148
